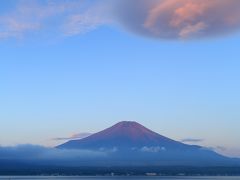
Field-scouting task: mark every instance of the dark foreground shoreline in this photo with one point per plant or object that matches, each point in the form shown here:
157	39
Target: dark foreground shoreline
118	171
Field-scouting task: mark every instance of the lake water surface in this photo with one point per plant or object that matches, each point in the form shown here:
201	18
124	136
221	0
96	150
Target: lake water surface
117	178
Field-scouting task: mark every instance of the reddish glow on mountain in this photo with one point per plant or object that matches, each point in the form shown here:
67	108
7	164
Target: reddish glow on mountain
128	129
126	134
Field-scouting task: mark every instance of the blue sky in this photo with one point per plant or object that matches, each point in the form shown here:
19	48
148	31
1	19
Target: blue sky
55	85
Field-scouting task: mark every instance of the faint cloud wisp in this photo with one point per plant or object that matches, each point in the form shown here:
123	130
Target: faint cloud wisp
63	17
73	137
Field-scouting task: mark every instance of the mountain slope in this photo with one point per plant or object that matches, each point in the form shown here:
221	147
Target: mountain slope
123	135
131	143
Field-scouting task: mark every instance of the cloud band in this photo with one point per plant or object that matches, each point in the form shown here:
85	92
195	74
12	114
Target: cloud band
159	19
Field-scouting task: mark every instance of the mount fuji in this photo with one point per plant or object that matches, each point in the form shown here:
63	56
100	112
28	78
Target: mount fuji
130	143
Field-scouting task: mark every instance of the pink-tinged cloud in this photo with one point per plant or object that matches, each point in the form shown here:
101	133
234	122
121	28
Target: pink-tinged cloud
179	19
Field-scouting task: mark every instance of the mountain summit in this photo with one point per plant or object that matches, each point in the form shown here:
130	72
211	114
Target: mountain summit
125	134
129	141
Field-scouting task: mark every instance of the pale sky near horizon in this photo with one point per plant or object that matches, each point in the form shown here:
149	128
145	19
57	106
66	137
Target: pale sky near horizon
56	83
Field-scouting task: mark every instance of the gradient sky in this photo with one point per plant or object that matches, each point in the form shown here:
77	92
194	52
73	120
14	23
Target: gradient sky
55	85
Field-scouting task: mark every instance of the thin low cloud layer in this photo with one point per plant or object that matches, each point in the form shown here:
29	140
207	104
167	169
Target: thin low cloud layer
74	137
159	19
155	149
39	155
33	152
180	19
192	140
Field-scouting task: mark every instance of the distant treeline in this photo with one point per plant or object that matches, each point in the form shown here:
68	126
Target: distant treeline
119	171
